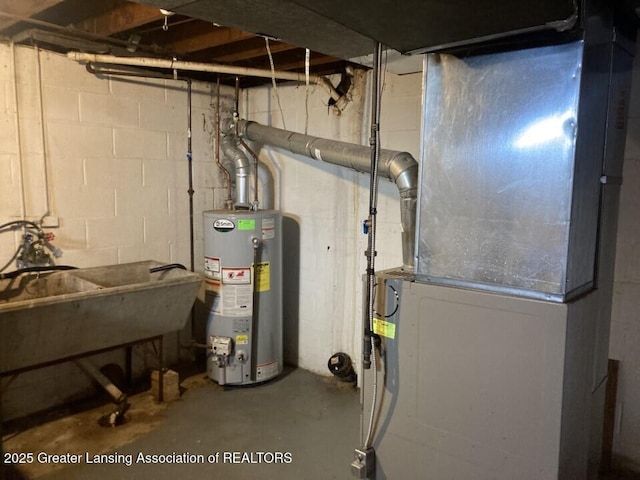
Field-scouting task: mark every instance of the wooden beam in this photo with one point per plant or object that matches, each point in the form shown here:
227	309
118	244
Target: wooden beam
243	50
253	50
122	17
195	36
22	8
290	60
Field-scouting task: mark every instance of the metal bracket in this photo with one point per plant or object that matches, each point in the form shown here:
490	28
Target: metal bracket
364	466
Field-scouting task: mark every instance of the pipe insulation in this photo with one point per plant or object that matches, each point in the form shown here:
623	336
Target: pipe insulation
205	67
399	167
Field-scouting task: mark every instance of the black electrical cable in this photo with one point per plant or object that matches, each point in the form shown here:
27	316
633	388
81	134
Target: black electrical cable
397	302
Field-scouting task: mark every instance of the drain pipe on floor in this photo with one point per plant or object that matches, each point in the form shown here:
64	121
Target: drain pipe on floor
120	399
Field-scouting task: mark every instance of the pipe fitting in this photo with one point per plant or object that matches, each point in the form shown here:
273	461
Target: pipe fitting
341	366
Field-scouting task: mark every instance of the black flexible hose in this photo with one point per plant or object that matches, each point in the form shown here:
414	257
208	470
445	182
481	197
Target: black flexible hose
49	268
21	223
169	266
15	255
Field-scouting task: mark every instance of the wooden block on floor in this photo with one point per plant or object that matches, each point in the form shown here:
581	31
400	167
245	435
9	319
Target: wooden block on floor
171	385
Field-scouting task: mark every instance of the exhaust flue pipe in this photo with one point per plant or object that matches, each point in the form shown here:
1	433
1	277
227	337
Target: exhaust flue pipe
232	152
243	171
400	167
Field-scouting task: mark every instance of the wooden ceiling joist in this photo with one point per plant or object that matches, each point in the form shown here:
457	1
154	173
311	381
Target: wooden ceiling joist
123	27
22	8
125	16
195	36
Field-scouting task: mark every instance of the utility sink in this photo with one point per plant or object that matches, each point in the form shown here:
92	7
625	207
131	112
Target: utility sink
52	317
28	287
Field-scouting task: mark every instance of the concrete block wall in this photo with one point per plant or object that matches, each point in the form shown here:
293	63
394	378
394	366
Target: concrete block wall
108	156
326	205
625	327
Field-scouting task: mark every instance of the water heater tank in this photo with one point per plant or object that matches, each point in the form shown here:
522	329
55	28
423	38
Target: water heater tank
243	277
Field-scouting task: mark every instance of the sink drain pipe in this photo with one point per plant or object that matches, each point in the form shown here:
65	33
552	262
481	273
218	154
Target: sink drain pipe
119	398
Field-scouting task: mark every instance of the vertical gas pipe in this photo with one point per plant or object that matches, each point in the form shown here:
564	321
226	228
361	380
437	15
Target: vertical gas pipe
191	191
364	464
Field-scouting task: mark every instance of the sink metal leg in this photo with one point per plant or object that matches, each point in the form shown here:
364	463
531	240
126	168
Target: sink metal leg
128	365
161	371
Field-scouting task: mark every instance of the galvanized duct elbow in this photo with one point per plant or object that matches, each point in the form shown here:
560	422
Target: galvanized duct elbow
400	167
230	149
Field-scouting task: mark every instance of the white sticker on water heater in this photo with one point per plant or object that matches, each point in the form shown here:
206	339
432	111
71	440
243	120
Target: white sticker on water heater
268	228
212	267
237	300
267	370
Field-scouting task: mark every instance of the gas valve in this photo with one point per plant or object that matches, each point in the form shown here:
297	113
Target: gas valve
221	347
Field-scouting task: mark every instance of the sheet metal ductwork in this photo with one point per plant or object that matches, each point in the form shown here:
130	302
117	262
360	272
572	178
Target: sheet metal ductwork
498	365
399	167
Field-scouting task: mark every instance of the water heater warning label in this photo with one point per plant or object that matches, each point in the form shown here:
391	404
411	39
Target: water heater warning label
263	277
237	300
268	228
236	276
212	267
230	300
267	370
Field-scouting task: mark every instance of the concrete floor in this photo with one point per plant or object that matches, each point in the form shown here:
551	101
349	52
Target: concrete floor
312	420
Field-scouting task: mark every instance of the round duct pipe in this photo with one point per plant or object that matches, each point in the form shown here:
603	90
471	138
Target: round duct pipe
400	167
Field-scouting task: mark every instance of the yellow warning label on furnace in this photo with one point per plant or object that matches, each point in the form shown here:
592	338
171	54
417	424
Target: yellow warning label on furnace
384	329
263	277
242	339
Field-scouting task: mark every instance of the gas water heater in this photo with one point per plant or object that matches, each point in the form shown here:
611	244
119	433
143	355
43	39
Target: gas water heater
243	276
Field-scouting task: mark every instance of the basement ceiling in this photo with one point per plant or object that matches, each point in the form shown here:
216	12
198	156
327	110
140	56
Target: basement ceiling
125	28
235	32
